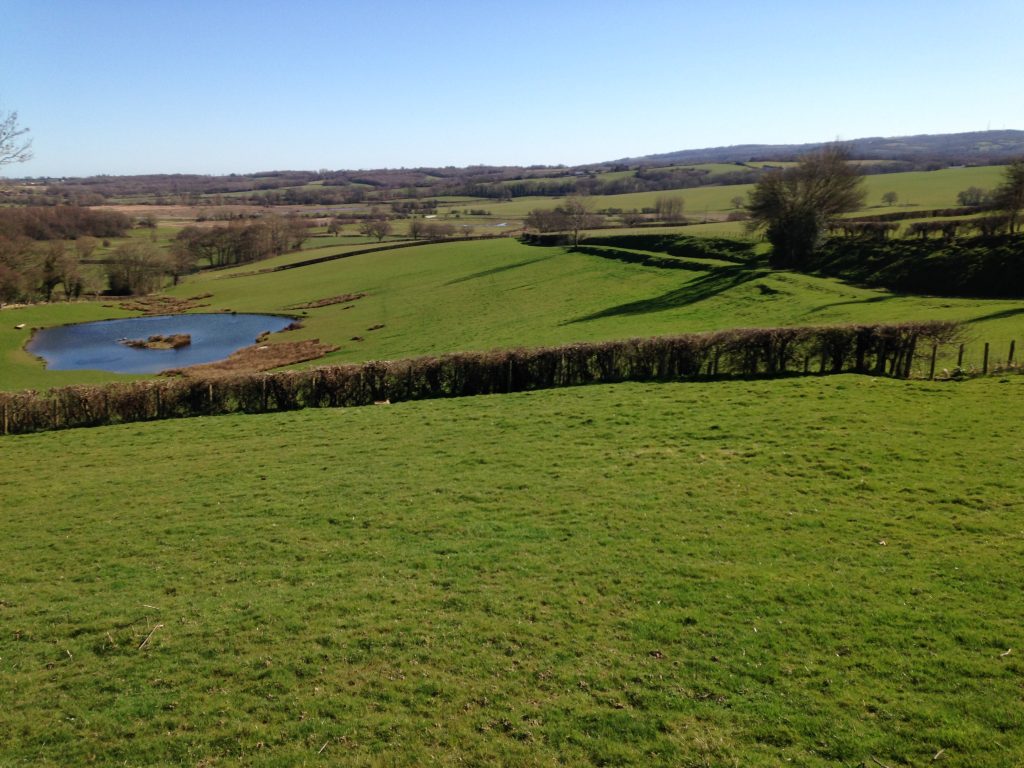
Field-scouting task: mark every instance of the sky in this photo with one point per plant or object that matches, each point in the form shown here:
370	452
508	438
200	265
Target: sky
233	86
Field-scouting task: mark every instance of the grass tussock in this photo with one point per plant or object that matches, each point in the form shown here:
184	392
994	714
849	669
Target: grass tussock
345	298
164	305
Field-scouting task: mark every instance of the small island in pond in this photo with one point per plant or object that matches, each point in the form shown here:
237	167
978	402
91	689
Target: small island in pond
174	341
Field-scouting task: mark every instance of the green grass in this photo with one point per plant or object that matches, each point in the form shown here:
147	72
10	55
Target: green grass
21	370
481	295
916	190
817	572
929	189
486	294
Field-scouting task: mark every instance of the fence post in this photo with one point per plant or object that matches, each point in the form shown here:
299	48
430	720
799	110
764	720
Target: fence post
935	353
1009	360
984	365
960	357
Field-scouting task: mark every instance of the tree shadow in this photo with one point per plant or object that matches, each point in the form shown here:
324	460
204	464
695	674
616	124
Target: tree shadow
694	292
997	315
872	300
495	270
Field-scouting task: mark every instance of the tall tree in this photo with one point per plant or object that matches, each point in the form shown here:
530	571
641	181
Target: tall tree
1009	196
136	267
13	148
578	217
669	209
795	205
377	226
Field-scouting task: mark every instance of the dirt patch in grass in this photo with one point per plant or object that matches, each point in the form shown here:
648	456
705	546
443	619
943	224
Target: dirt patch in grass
259	357
164	305
344	298
191	214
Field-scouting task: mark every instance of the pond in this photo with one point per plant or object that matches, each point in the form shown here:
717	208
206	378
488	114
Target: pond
100	345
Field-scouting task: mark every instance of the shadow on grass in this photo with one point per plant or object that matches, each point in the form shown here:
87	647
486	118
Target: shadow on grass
649	259
694	292
997	315
872	300
495	270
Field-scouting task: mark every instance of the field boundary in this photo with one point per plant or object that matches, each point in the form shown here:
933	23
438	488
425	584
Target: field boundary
880	350
361	252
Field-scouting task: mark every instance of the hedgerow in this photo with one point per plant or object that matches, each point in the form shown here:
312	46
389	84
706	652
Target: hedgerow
883	349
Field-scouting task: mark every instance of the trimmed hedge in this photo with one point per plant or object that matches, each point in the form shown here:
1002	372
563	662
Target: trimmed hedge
887	350
990	267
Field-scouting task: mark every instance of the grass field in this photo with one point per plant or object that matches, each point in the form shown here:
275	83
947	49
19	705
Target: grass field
820	572
916	190
816	572
486	294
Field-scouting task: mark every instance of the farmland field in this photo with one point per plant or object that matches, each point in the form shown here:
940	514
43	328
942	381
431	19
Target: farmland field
817	572
480	295
916	190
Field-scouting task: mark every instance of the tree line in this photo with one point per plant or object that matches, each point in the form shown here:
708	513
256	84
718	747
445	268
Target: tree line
242	242
42	249
65	222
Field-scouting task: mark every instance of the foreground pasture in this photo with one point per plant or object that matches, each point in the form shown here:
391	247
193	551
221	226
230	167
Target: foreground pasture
818	571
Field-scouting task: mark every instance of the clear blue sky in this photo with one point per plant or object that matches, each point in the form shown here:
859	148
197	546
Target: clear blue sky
222	86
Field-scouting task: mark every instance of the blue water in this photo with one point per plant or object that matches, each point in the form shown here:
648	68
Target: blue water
96	346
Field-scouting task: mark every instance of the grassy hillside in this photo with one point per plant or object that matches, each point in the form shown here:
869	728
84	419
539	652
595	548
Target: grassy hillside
818	571
918	190
481	295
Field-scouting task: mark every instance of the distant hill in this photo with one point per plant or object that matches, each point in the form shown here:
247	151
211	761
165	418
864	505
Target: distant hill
978	147
384	185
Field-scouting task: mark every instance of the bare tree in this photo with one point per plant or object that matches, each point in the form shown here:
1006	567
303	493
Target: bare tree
545	220
578	217
1009	196
48	274
795	205
13	149
85	245
890	197
136	267
378	227
669	209
974	196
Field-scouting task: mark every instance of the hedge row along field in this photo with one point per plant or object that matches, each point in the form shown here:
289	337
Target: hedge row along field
887	350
